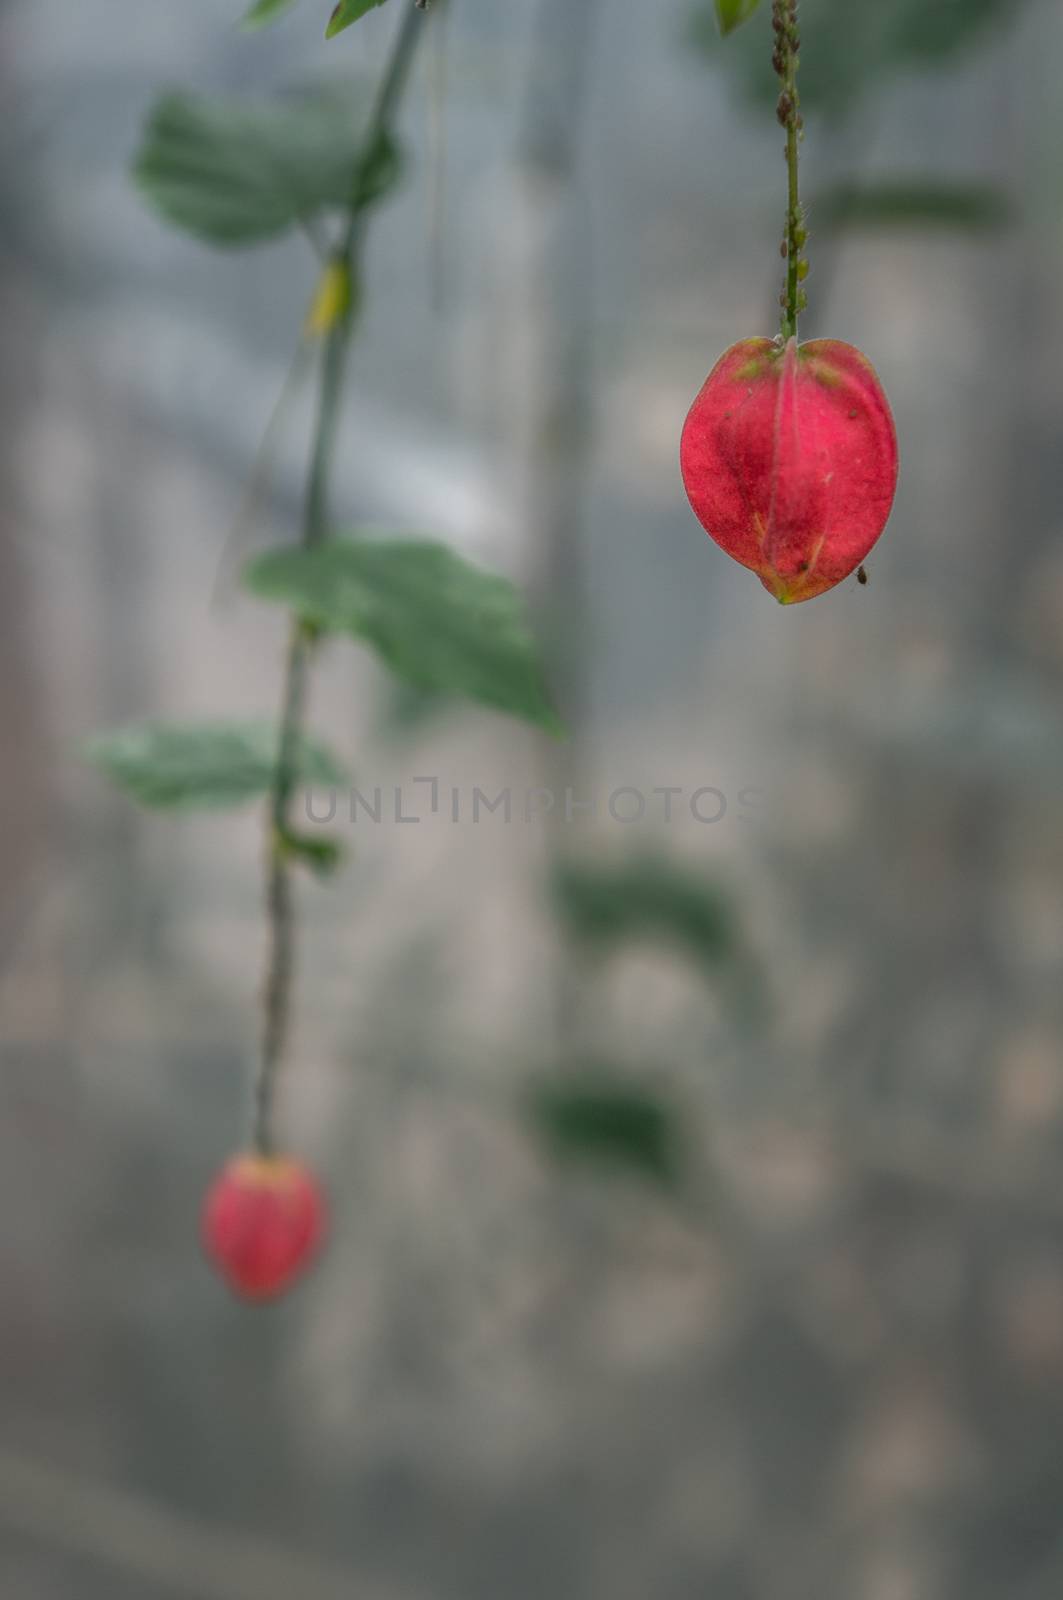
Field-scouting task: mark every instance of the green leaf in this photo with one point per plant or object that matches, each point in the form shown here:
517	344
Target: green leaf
346	12
916	202
324	857
264	11
234	171
646	897
434	619
203	765
405	711
378	171
599	1120
730	14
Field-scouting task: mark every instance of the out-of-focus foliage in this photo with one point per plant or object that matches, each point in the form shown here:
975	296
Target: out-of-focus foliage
594	1118
730	14
404	711
235	171
322	857
849	48
435	620
349	11
264	11
647	897
915	203
207	766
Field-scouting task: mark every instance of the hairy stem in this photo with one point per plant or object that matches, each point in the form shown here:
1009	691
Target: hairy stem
785	61
280	959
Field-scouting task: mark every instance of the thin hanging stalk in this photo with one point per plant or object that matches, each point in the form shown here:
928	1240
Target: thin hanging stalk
786	61
344	264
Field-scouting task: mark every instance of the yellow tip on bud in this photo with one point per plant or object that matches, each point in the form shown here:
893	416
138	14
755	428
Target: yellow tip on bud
331	302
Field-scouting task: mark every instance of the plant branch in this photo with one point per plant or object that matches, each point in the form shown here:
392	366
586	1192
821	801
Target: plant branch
786	61
280	960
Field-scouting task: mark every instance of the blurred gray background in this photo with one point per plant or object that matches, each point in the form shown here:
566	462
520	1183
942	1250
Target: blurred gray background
827	1363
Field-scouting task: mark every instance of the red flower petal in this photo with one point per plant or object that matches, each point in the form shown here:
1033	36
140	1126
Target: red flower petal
789	457
263	1220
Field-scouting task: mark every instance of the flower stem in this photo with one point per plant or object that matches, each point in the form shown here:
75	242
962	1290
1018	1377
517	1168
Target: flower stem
786	61
280	958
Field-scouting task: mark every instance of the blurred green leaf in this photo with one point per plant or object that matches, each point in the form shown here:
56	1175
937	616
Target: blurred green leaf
264	11
647	897
916	202
434	619
922	32
234	171
348	11
730	14
405	711
324	857
378	171
202	765
598	1120
850	49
